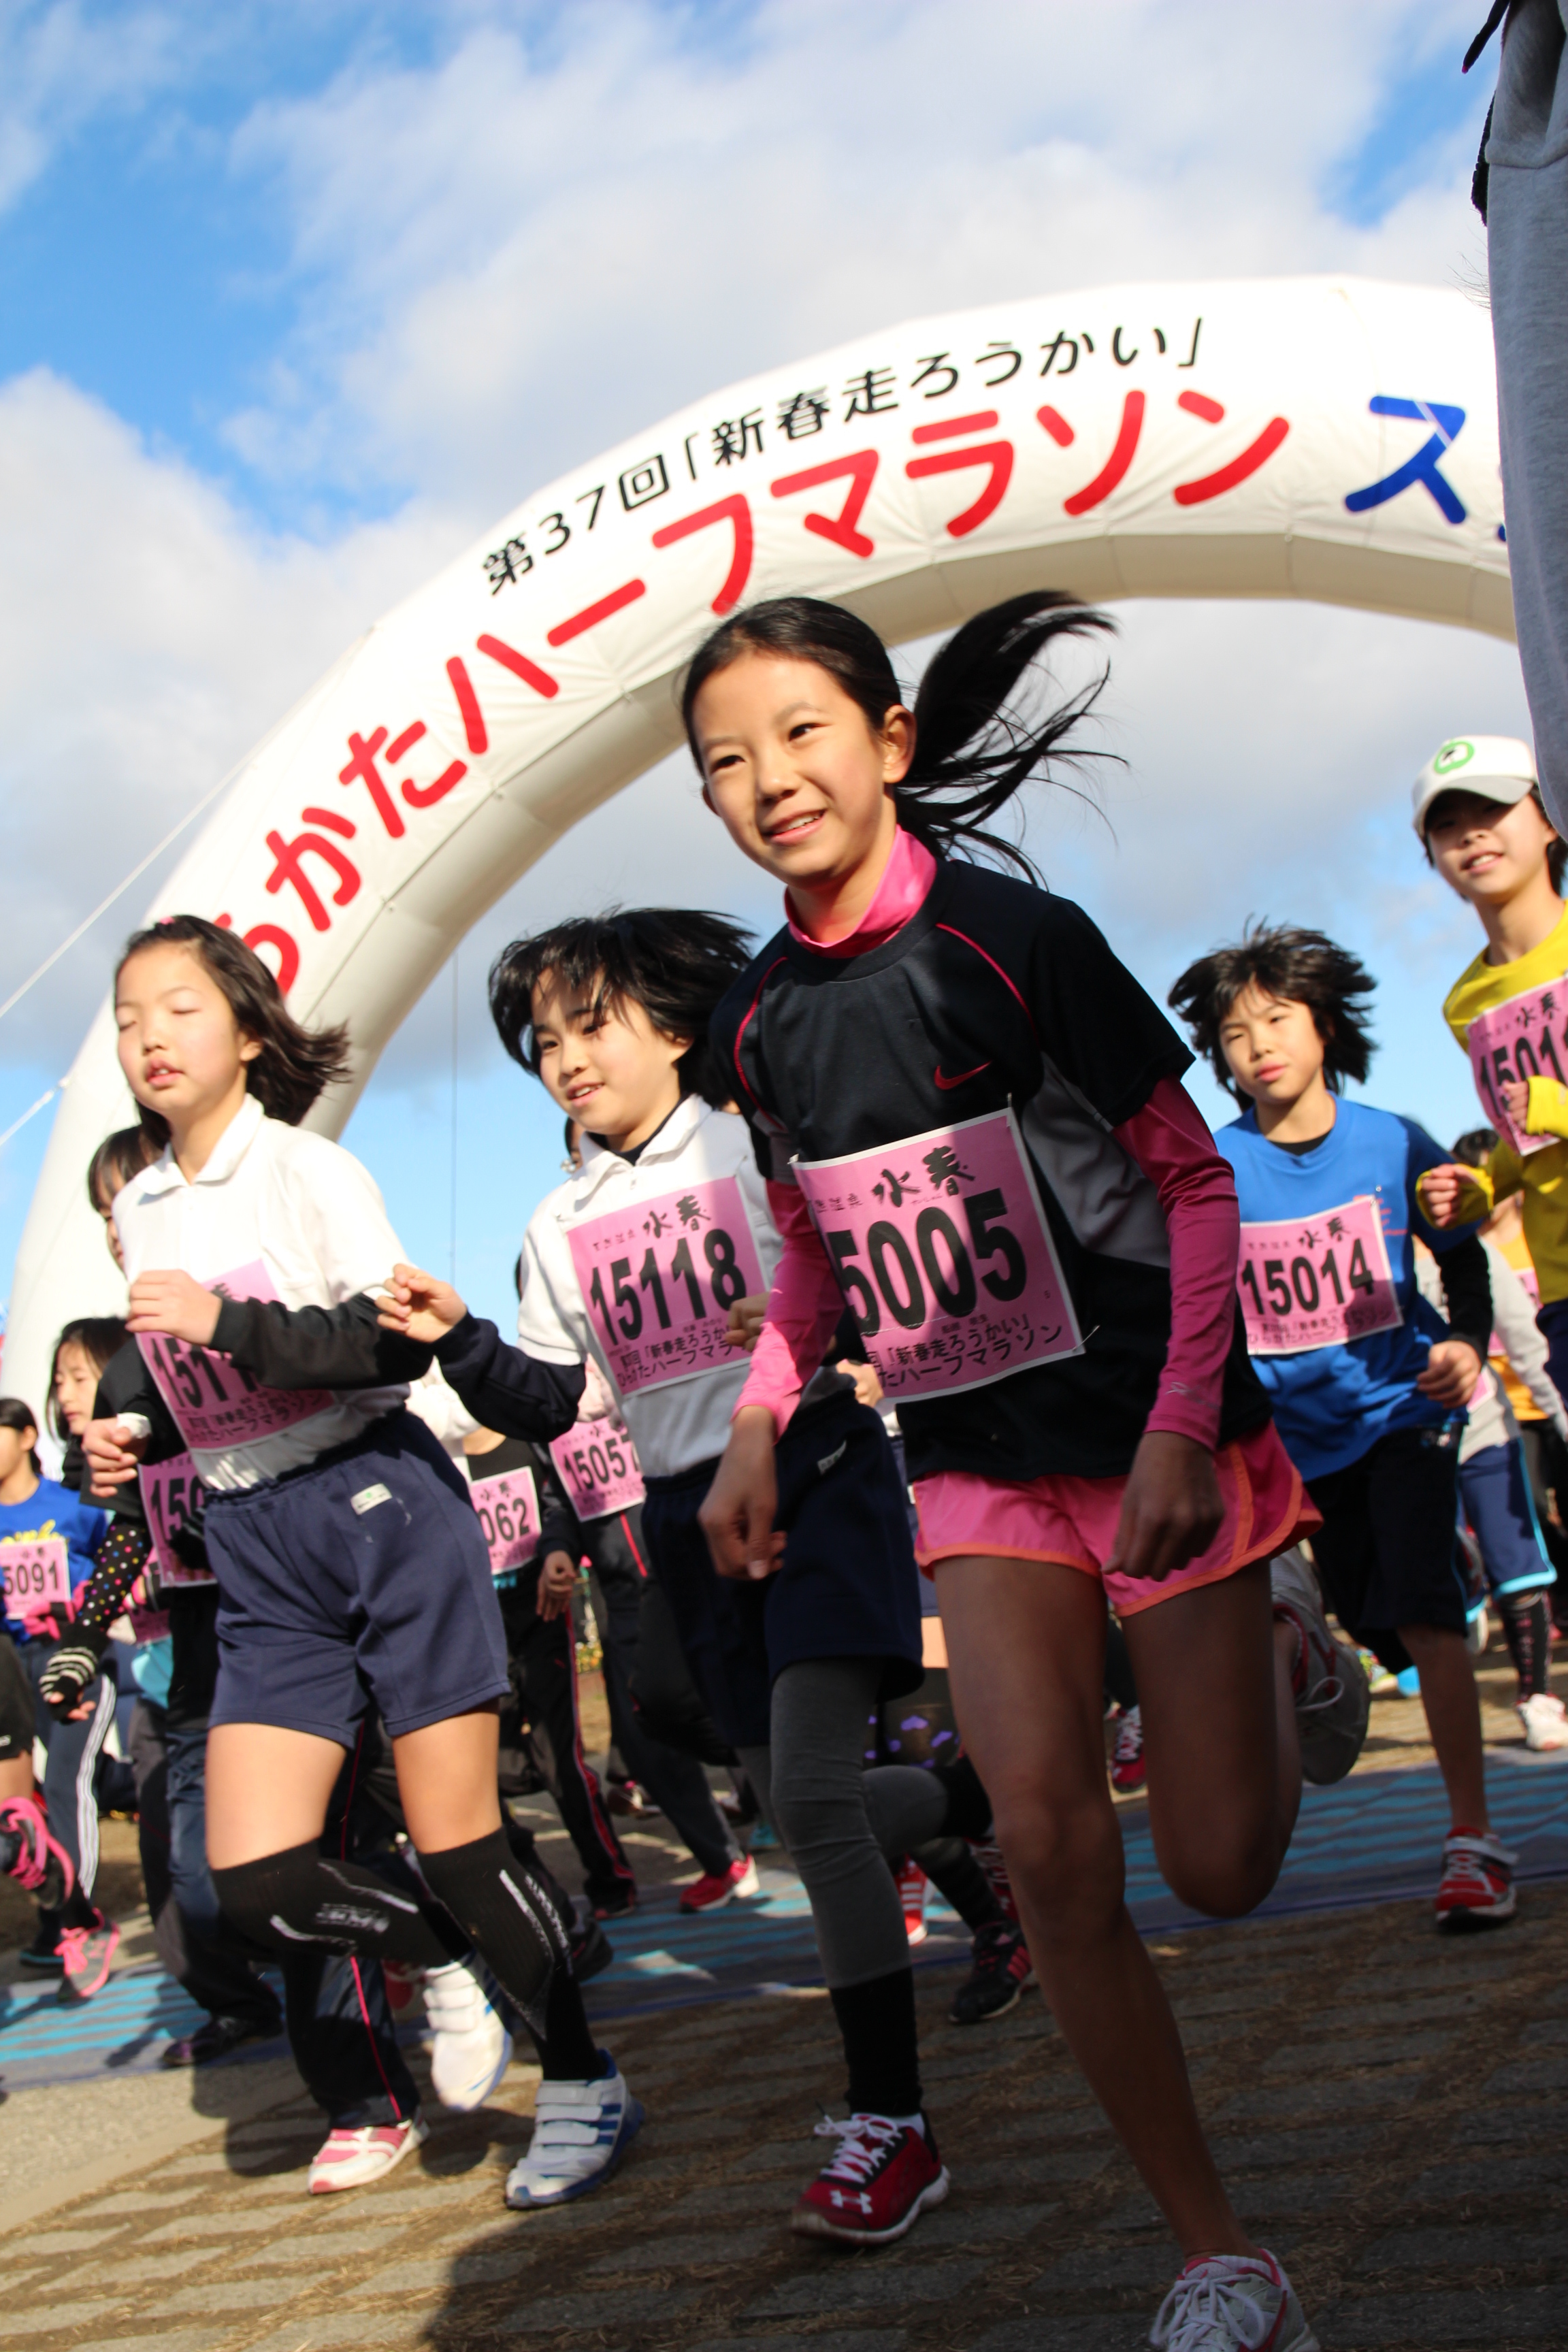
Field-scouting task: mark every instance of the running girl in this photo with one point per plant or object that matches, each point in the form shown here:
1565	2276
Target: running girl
973	1126
343	1541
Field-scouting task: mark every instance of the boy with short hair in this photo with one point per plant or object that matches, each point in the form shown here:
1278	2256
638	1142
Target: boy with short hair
1367	1383
1479	814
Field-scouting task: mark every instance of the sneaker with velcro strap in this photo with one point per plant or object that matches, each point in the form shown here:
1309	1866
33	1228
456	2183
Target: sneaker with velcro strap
470	2047
1232	2303
1476	1888
1333	1703
878	2182
580	2131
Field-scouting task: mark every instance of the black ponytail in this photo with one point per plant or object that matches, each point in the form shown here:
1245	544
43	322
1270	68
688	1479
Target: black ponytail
973	753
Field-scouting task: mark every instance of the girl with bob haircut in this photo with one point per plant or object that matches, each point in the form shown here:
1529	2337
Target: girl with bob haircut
344	1543
972	1123
1294	967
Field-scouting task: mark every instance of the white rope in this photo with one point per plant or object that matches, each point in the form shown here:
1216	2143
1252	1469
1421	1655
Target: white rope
102	908
17	1124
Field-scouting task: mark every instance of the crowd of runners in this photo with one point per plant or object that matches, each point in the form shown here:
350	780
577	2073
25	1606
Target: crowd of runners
912	1379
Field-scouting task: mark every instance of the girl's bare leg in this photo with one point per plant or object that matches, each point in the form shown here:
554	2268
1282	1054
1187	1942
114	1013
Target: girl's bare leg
15	1777
1026	1647
447	1780
268	1790
1213	1670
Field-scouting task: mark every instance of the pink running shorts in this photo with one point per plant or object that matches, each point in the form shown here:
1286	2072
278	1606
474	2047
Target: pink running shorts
1073	1521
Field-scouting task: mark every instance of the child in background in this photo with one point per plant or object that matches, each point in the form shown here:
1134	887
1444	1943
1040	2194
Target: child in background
347	1552
75	1942
1368	1386
1535	1404
1478	813
973	1124
28	1852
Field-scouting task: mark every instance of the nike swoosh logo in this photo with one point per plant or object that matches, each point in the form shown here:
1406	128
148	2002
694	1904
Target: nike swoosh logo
962	1079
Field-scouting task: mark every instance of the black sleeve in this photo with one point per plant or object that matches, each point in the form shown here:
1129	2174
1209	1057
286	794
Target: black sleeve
559	1529
317	1346
1102	1031
1468	1288
518	1395
122	1557
126	1385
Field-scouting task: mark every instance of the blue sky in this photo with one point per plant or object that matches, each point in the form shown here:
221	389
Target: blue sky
293	300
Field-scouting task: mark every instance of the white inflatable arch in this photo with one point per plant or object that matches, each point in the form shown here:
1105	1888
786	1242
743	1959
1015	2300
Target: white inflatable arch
1326	438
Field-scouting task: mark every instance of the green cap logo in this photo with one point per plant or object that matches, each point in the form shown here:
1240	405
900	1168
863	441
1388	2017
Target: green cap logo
1457	754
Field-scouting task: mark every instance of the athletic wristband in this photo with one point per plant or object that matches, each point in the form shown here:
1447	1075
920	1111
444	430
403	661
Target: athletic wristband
67	1674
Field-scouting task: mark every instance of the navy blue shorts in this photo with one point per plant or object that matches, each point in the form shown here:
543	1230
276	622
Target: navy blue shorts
366	1572
848	1587
1386	1552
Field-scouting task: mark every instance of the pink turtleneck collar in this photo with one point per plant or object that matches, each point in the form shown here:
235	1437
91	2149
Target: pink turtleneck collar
906	878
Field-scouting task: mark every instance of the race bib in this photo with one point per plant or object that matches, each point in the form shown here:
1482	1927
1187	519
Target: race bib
213	1404
170	1494
659	1278
1527	1037
35	1572
597	1464
508	1505
942	1249
1316	1282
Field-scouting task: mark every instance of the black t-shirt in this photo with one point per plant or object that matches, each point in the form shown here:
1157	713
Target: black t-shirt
993	994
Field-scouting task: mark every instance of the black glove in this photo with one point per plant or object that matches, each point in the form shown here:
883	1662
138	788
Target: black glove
73	1666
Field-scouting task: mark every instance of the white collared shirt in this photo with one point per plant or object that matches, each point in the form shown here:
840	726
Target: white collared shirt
311	1216
680	1422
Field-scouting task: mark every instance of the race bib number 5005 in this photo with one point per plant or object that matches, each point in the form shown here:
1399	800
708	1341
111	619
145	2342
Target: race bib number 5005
1316	1282
942	1248
659	1278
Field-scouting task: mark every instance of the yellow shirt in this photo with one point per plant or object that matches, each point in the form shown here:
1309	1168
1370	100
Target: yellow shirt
1543	1174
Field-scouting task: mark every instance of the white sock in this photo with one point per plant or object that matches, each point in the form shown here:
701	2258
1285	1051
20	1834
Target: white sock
900	2123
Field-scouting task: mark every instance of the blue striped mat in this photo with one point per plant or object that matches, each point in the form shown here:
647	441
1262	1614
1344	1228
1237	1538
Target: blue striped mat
1375	1838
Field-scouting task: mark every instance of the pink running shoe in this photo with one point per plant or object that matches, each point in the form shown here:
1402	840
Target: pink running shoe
913	1884
715	1888
39	1861
352	2160
87	1952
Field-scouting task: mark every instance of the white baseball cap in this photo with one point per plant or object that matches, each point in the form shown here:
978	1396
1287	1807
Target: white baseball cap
1494	767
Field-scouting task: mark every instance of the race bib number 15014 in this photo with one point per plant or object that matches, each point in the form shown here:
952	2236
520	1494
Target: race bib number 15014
942	1248
1316	1282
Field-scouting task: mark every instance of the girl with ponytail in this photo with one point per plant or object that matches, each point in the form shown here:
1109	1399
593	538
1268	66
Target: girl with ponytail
975	1135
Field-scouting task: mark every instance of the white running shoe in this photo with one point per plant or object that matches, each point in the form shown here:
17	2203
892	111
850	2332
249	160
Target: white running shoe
1545	1721
1232	2303
472	2049
1332	1700
580	2130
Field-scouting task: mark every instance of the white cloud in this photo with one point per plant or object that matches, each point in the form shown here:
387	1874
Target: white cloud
60	66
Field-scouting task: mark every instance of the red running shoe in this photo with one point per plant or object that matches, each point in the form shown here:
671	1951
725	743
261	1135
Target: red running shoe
912	1883
1128	1770
1476	1888
877	2185
715	1888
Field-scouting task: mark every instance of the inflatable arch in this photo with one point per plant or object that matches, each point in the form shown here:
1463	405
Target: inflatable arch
1333	439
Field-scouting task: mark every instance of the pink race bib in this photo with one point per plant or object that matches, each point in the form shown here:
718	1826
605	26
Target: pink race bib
943	1251
659	1278
597	1464
1316	1282
213	1405
508	1505
36	1576
170	1494
1527	1037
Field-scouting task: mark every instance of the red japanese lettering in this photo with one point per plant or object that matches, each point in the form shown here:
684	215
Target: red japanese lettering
361	769
424	795
1114	469
735	510
520	666
469	704
271	935
861	470
592	614
289	865
1256	453
1198	403
1057	425
997	455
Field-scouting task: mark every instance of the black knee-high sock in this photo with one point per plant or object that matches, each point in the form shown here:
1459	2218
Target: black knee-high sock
1526	1629
508	1915
880	2043
299	1897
